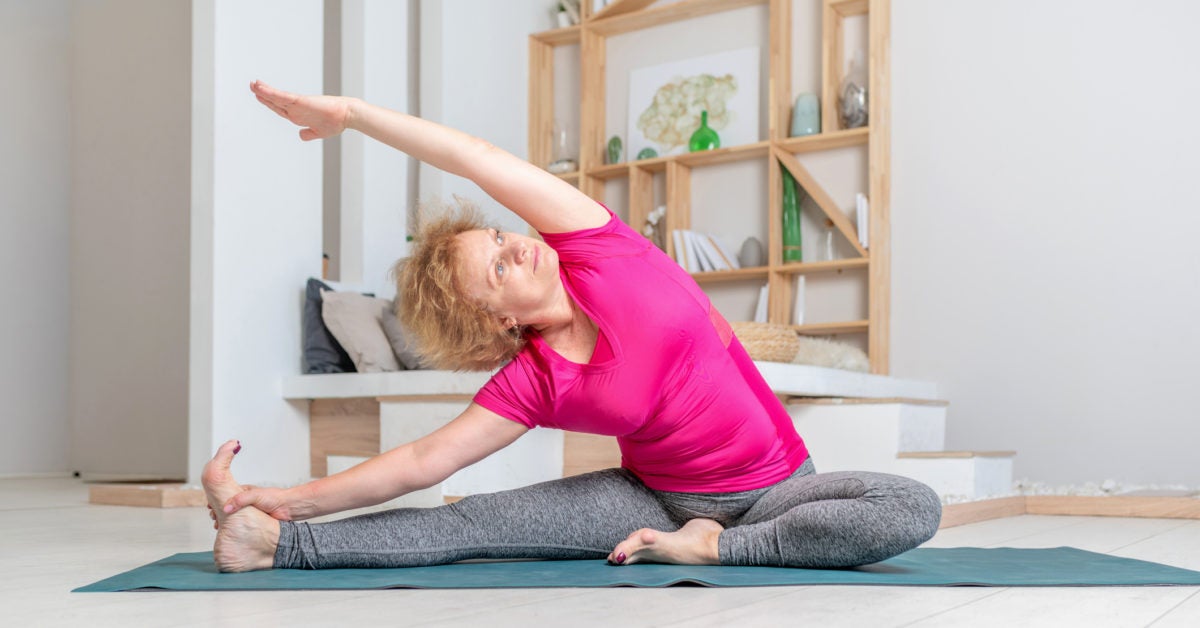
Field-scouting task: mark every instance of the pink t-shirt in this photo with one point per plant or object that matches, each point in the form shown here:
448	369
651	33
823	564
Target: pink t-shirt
690	411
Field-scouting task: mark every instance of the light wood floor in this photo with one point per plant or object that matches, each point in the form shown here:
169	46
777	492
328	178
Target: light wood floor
51	541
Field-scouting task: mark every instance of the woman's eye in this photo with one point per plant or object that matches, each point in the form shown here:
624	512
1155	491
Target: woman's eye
500	269
499	238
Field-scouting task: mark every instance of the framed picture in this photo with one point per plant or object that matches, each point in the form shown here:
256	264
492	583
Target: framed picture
665	101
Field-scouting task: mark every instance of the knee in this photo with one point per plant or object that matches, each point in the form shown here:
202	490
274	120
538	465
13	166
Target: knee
924	508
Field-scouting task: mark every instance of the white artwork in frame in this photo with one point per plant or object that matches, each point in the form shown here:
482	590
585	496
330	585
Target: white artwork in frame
665	101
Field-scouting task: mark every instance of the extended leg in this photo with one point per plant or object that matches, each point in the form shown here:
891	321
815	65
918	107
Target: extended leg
839	519
577	517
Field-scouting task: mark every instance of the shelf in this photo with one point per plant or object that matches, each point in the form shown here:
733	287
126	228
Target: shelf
825	141
610	171
657	16
668	180
569	177
702	158
559	36
724	155
829	329
804	268
741	274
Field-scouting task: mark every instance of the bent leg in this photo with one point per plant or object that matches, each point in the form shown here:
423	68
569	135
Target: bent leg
582	516
840	519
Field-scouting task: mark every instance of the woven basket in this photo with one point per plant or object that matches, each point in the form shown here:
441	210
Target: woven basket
767	342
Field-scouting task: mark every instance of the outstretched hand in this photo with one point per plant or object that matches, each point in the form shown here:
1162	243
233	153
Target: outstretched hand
320	116
280	504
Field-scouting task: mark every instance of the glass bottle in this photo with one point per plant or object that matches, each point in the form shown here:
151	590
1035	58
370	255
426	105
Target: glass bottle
827	254
704	138
792	251
852	96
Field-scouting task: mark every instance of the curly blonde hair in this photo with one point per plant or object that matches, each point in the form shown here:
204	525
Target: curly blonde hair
451	330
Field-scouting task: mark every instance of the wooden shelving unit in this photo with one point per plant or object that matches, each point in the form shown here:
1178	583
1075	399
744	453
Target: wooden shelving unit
777	149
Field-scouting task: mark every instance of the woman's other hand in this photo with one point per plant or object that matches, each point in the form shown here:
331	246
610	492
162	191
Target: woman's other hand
320	116
281	504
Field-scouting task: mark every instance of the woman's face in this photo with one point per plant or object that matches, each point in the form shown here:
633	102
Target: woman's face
514	276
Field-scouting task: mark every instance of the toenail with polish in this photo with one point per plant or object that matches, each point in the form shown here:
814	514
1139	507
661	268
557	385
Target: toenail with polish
238	448
621	558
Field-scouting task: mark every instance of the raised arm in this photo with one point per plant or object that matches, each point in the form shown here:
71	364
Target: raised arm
546	202
469	438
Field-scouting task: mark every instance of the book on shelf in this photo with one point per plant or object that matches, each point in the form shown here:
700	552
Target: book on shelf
760	309
701	252
798	304
681	255
862	212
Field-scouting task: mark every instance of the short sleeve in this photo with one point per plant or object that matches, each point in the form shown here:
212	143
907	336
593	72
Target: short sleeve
517	392
614	238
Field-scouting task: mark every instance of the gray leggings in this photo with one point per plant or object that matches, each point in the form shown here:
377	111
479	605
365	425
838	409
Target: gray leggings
839	519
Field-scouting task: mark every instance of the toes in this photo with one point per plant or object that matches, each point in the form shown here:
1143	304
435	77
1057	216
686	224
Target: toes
626	552
217	469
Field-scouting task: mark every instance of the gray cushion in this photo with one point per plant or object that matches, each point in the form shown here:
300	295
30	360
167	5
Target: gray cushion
322	353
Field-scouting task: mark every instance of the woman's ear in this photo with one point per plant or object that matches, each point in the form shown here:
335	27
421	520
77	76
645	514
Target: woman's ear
507	322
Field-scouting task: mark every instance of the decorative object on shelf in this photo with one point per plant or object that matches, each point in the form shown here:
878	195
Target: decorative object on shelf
563	161
612	153
704	138
751	254
806	115
566	13
647	153
791	219
852	97
827	251
772	342
655	228
666	101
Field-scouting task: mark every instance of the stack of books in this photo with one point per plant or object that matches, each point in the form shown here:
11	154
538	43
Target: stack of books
701	252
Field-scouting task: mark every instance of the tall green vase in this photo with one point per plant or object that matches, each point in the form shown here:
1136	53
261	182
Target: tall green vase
792	251
704	138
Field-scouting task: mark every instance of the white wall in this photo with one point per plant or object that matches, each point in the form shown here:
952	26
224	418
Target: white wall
129	178
484	94
1045	268
35	158
374	176
256	233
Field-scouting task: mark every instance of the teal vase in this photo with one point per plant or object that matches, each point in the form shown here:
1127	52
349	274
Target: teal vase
704	138
806	115
792	251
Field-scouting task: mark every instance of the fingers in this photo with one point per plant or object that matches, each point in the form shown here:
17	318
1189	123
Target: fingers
276	96
235	503
272	106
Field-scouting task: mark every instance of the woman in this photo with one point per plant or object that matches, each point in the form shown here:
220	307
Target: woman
598	332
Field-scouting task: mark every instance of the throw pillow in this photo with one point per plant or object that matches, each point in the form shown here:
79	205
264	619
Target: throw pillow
356	320
401	340
322	353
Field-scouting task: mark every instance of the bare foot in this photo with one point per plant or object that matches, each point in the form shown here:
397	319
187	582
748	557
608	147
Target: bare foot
693	544
246	539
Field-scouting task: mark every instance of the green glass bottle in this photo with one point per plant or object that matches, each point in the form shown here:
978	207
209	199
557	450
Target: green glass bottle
704	138
792	251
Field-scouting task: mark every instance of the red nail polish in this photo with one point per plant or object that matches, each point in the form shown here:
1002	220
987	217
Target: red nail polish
621	558
238	448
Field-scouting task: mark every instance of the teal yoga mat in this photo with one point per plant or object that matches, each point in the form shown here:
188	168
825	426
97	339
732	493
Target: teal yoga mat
1002	567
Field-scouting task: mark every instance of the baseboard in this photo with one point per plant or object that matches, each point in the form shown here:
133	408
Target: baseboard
164	495
1071	505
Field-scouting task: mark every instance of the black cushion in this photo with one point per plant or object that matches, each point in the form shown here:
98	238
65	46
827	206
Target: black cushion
322	353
